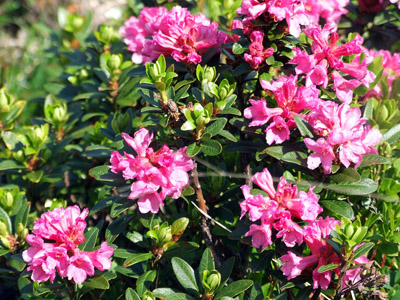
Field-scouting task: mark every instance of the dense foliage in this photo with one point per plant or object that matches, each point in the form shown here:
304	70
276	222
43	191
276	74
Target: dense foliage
202	150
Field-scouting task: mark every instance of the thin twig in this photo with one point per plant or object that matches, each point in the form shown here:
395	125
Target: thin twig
68	187
205	230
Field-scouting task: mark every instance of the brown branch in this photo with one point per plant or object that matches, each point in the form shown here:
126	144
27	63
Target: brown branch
68	187
205	230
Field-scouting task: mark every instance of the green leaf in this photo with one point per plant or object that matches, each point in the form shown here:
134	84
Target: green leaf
137	258
303	126
206	263
99	282
216	127
4	216
256	292
4	252
9	165
364	187
363	249
368	109
90	239
230	111
188	126
235	288
211	147
96	172
198	110
181	93
185	274
226	134
373	159
288	153
225	270
335	245
325	268
21	211
145	281
396	237
163	292
193	149
179	296
349	174
390	136
130	294
339	207
35	176
238	48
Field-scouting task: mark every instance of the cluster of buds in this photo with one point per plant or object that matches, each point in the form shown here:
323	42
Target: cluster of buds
165	236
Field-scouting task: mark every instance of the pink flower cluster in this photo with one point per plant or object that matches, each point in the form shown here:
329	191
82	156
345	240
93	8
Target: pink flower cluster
175	33
277	211
343	138
326	61
322	254
291	100
157	174
54	246
391	69
292	11
257	54
330	11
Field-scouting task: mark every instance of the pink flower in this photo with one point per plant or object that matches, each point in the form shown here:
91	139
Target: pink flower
318	75
80	266
260	113
157	174
343	138
257	54
330	11
323	154
294	265
277	210
63	231
321	254
292	11
291	100
136	30
344	88
277	131
290	232
252	8
261	235
176	33
64	226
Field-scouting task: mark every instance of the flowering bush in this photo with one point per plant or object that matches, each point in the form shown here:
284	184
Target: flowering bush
218	150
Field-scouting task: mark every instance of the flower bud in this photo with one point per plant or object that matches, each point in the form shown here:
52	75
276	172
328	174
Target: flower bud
39	135
107	34
7	200
211	281
6	243
76	23
179	226
208	75
24	233
148	296
83	74
3	229
115	61
20	228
